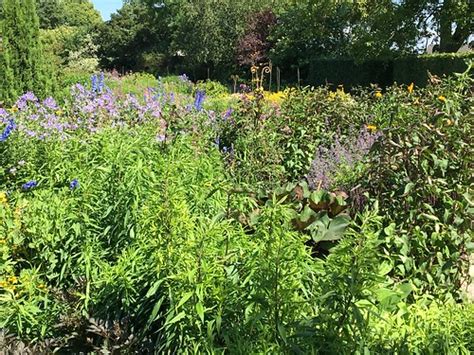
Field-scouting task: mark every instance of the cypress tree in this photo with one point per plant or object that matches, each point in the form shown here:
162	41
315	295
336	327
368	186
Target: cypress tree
23	68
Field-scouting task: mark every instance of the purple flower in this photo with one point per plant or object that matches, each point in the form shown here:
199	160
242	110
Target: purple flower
327	161
29	96
74	184
160	138
50	103
29	185
184	78
198	101
227	114
8	130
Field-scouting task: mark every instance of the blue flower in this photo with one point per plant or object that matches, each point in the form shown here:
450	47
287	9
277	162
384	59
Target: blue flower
8	130
198	101
29	185
101	82
74	184
94	86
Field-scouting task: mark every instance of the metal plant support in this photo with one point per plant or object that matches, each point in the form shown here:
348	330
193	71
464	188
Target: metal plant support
258	75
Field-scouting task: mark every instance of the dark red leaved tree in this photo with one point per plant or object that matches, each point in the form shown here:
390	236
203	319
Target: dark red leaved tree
254	45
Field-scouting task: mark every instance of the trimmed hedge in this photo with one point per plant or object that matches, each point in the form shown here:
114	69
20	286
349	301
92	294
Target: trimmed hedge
385	72
415	69
350	73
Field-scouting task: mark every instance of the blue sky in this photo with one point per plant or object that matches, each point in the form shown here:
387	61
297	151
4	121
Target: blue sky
106	7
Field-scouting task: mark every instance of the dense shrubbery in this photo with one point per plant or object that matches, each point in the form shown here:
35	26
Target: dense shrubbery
161	215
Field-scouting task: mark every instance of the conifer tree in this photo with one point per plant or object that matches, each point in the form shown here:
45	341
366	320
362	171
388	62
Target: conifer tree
23	68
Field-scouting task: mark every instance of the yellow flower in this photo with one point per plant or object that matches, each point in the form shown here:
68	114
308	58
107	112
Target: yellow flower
411	87
442	98
12	279
275	97
331	96
3	198
371	128
449	122
59	112
13	109
378	94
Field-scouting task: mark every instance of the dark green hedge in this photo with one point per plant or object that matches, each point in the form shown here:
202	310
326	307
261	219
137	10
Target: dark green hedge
415	69
384	72
350	73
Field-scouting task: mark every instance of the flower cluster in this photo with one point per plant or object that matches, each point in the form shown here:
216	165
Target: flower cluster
74	184
199	100
98	83
29	185
8	130
328	160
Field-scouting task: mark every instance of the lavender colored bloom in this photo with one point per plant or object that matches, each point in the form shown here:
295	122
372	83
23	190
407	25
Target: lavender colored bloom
29	96
50	103
21	104
3	112
29	185
327	161
227	114
74	184
160	138
184	78
199	100
7	131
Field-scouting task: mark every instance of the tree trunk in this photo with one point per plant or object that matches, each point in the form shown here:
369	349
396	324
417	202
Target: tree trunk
450	42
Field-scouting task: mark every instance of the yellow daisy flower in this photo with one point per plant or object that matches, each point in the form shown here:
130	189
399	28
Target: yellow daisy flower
3	198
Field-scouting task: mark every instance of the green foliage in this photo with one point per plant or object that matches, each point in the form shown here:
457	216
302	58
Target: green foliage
421	178
132	35
182	235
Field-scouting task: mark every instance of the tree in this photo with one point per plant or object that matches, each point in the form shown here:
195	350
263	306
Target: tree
452	21
253	47
23	68
132	36
81	13
308	28
51	13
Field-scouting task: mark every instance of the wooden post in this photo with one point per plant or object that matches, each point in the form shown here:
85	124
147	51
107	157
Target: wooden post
270	84
298	75
278	78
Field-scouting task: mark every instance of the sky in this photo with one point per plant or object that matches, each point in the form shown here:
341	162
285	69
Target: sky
106	7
